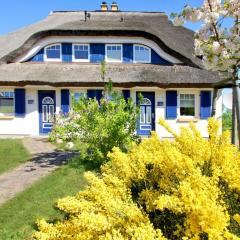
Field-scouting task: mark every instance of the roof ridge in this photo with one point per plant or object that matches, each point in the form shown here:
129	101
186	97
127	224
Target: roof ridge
99	11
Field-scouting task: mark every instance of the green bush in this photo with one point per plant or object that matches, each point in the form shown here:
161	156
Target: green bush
94	128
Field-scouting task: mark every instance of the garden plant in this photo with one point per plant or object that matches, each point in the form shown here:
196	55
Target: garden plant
188	188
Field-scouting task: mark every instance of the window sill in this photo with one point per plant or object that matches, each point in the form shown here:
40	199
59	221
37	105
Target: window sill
184	119
7	117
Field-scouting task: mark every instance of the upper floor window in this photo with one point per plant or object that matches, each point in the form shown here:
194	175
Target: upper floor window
187	105
53	52
80	52
7	103
142	54
114	53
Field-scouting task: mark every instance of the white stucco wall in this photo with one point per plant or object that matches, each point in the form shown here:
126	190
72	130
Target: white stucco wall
29	125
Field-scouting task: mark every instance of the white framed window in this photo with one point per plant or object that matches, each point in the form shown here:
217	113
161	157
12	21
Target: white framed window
81	53
53	52
7	106
141	54
113	53
187	105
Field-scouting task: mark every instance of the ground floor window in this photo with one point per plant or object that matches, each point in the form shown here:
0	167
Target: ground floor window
187	105
78	95
6	102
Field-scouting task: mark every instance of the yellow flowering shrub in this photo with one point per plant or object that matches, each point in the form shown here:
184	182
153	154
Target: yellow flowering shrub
185	189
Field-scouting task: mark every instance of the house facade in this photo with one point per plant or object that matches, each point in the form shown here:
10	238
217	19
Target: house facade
43	65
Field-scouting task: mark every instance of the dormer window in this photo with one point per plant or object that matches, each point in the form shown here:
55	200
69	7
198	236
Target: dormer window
81	53
53	52
113	52
142	54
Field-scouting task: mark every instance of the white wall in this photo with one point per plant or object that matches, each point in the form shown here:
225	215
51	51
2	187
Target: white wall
28	125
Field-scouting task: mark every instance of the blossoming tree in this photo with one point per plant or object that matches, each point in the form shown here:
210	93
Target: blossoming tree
218	45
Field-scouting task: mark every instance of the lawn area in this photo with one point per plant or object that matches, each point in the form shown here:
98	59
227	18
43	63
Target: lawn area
17	216
12	153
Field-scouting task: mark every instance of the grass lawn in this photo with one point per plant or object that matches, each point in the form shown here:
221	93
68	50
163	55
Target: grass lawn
17	216
12	153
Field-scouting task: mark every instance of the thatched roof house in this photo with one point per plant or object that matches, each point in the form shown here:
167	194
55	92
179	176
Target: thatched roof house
61	55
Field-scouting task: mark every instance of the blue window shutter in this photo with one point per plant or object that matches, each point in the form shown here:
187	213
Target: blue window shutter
97	52
66	52
127	53
65	101
99	94
93	93
156	59
205	104
171	104
37	57
20	102
126	94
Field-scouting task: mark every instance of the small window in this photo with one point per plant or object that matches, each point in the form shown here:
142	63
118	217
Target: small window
187	105
142	54
78	95
7	103
53	52
81	52
114	53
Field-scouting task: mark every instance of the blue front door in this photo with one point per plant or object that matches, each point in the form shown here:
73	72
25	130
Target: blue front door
146	122
46	107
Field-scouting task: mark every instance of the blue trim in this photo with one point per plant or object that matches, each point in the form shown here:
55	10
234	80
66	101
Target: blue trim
205	104
95	93
67	52
39	57
128	53
126	94
41	95
171	104
146	129
20	102
156	59
65	101
97	52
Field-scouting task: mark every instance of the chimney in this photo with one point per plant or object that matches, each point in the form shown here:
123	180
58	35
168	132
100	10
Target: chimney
104	7
114	7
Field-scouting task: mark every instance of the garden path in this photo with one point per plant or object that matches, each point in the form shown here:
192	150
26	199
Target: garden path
45	158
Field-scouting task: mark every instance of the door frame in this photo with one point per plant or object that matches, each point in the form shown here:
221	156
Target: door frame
150	95
40	97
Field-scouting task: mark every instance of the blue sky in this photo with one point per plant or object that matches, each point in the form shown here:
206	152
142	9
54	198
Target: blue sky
15	14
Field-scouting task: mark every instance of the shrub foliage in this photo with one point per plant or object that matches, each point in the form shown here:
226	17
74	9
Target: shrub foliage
96	127
188	188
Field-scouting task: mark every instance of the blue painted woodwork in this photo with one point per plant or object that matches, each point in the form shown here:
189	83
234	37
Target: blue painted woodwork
156	59
144	127
171	104
205	104
39	57
45	126
67	52
126	94
128	53
95	93
97	52
20	102
65	101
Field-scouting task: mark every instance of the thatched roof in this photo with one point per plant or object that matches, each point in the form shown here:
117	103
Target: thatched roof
177	41
88	74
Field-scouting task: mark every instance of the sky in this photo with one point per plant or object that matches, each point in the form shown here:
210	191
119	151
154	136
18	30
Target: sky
15	14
